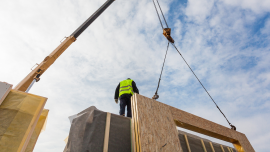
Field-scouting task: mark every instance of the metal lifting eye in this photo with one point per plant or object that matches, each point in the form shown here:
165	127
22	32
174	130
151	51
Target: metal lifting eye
156	96
233	127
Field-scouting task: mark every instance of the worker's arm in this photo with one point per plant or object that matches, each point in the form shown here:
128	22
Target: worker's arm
135	89
116	95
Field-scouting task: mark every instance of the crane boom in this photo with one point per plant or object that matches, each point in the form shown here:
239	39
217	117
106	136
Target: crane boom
34	75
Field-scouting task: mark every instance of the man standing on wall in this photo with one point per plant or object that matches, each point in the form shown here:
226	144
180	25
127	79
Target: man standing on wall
124	91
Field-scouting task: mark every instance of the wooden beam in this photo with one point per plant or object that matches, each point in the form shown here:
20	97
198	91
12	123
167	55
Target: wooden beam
222	148
212	147
194	123
107	132
135	124
204	149
229	149
187	143
133	149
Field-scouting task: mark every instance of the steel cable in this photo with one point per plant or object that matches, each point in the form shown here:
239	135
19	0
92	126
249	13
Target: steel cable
162	14
233	127
158	14
156	96
162	67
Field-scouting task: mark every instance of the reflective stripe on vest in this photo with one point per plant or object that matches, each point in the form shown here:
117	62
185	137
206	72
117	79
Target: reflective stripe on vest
126	87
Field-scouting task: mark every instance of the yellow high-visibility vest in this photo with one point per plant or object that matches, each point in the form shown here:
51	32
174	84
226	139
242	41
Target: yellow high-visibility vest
126	87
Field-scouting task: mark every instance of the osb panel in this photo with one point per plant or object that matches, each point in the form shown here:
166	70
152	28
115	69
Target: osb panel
156	126
135	125
200	125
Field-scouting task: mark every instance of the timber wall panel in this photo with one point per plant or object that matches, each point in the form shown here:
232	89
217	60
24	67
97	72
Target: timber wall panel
157	130
155	122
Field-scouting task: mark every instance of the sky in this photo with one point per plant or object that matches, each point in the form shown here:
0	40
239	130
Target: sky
226	43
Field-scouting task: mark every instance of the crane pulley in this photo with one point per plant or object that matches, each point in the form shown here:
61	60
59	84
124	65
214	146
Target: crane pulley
167	34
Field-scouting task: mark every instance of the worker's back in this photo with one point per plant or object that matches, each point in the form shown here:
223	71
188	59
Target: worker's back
124	91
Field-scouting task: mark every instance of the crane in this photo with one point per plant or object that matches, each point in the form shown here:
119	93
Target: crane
34	76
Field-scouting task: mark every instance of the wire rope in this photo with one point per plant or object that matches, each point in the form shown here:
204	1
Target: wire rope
158	14
162	68
162	14
233	127
156	96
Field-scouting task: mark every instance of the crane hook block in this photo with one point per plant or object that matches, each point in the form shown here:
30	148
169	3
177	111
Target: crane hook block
167	34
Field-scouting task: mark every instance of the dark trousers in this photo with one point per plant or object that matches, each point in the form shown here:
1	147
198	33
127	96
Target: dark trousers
125	101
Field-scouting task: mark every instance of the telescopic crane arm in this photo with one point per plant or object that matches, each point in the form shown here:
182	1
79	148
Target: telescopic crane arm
34	75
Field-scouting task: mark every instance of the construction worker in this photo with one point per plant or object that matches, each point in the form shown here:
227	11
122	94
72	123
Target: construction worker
124	91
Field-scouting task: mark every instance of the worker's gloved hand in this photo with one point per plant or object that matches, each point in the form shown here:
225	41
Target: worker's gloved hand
116	101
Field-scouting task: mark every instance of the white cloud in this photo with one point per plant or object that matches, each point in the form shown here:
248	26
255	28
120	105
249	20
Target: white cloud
199	9
257	6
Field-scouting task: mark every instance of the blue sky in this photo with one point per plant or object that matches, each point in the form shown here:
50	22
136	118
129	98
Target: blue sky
226	42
